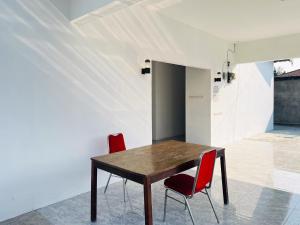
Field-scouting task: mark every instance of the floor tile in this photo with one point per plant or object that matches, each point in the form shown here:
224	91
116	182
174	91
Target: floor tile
263	182
294	218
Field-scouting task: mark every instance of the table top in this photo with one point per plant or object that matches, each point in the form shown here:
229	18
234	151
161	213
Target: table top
155	159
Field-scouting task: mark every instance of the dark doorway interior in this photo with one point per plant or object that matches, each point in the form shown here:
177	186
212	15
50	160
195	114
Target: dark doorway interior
168	101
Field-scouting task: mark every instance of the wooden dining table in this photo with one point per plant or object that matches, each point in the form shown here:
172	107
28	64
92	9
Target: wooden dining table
149	164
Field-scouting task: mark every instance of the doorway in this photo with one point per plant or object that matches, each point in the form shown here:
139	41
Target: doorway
168	101
181	103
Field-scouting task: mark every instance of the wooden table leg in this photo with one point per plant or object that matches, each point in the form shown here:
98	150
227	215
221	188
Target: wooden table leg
93	192
224	178
148	202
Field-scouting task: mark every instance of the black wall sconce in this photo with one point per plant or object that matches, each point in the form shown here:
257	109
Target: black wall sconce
218	78
228	76
147	67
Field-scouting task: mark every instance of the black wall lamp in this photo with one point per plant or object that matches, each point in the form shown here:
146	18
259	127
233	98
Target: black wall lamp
147	67
228	76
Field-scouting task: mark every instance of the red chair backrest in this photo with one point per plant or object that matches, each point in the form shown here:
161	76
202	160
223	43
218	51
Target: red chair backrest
205	170
116	143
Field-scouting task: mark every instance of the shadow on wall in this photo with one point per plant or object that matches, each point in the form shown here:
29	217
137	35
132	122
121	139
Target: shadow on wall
53	50
270	125
60	97
105	78
63	90
264	69
249	104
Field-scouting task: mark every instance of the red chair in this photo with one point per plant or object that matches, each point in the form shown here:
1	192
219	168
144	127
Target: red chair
116	143
187	186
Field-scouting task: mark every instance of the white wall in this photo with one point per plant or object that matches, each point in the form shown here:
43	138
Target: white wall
198	106
284	47
81	7
168	96
59	100
64	6
76	9
62	92
245	107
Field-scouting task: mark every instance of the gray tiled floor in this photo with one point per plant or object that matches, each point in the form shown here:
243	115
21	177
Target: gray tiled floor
249	204
262	187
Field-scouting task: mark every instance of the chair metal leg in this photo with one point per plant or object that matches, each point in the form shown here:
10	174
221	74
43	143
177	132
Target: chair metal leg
126	181
124	189
165	205
189	209
107	183
212	205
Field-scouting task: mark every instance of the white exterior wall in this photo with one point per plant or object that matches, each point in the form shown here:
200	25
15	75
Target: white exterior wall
74	9
63	90
60	98
64	6
79	8
245	107
198	106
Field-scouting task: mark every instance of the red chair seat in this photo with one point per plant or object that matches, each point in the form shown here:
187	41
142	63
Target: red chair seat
184	184
181	183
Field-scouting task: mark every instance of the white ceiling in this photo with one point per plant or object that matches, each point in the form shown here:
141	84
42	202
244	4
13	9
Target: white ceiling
235	20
